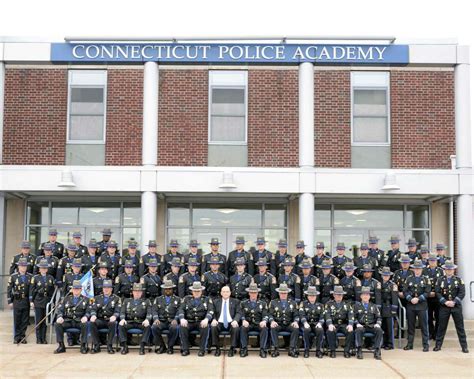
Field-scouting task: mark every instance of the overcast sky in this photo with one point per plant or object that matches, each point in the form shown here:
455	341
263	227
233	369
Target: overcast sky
408	21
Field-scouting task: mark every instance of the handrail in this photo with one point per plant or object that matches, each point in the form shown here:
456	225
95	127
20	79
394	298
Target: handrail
471	292
402	321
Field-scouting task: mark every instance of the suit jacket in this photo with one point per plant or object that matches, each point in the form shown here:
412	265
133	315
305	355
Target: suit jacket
234	309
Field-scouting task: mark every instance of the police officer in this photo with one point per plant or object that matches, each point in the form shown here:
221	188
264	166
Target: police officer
112	257
57	247
283	316
339	318
306	278
65	264
312	315
442	254
364	259
262	252
239	252
424	254
240	280
412	245
172	256
187	279
102	275
81	249
327	281
299	256
401	275
280	256
339	261
165	317
416	291
91	258
195	313
151	254
124	282
367	319
151	281
131	255
214	279
70	277
25	247
193	253
291	279
389	307
53	261
265	281
434	272
104	313
40	294
176	267
393	255
450	291
321	256
374	285
18	292
106	235
254	317
73	312
375	252
205	266
136	313
350	283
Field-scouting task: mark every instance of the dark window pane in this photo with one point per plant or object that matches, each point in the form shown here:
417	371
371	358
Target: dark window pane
38	212
417	216
65	213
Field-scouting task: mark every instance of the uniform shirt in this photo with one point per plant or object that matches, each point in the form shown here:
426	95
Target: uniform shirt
136	310
56	247
267	284
104	307
338	313
307	281
213	281
53	265
124	284
452	289
254	311
293	281
152	285
185	281
165	308
18	290
175	279
269	256
233	255
317	261
326	285
417	286
41	290
31	258
312	313
351	285
338	263
400	277
74	308
375	290
143	268
283	312
367	314
166	263
392	259
238	285
389	298
195	310
205	267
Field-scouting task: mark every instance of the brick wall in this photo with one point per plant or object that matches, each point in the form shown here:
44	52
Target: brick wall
422	119
124	117
332	118
35	116
183	118
273	118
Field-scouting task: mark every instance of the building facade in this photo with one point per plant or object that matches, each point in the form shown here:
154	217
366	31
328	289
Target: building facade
184	140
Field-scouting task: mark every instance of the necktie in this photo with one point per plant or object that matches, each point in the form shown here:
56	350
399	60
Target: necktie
284	303
168	300
106	300
252	304
238	277
196	302
366	305
74	300
226	321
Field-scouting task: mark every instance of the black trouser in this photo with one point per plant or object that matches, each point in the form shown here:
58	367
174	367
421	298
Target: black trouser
157	330
40	313
444	314
71	324
244	335
234	334
285	328
318	337
134	325
21	317
387	327
184	334
433	316
359	336
103	324
412	313
332	337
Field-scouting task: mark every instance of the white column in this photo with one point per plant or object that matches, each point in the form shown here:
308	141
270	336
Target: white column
306	114
464	207
306	220
150	114
148	218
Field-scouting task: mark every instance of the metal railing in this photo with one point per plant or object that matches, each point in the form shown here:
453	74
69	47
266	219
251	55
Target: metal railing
401	321
52	305
471	292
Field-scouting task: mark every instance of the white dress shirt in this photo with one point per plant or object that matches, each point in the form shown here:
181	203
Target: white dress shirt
221	317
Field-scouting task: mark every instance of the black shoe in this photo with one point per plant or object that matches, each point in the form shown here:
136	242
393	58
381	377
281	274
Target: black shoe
160	350
465	349
359	353
110	349
387	347
294	353
70	342
217	352
437	348
142	349
124	349
426	349
244	352
231	352
275	353
319	354
170	351
408	347
61	348
201	353
306	353
332	354
24	341
347	354
84	348
95	349
377	354
263	353
44	342
185	352
38	342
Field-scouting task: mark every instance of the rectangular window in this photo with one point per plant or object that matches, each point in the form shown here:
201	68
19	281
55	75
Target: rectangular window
370	108
87	100
228	107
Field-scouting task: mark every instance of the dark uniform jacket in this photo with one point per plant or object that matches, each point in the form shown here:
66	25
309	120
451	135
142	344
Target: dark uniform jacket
31	258
152	285
267	284
254	312
351	285
56	247
389	298
70	310
281	314
195	310
53	265
104	309
419	287
166	311
143	268
124	284
338	263
453	290
233	255
238	284
136	310
269	256
213	281
185	281
41	290
205	267
326	285
18	290
338	314
375	290
293	281
312	313
367	315
306	281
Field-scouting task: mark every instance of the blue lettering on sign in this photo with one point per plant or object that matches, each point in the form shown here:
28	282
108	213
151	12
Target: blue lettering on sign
229	53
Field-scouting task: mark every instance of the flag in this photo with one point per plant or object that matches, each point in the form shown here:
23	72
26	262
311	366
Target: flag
87	285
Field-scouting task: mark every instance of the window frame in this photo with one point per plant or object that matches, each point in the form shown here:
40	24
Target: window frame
211	86
68	126
372	86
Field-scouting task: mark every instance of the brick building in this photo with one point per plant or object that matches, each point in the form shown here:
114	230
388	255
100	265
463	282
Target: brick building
188	144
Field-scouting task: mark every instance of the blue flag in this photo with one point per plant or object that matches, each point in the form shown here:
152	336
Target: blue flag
87	285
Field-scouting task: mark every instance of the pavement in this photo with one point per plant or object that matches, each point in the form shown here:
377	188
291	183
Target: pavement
38	361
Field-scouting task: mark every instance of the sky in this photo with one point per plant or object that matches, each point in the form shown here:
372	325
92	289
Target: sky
408	21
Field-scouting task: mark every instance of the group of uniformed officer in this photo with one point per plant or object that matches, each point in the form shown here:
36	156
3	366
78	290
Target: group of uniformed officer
269	294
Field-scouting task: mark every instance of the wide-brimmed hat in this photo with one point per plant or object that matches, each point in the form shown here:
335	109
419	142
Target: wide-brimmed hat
418	263
24	262
103	265
176	262
364	246
283	288
43	263
216	260
288	262
193	262
153	262
367	268
349	266
107	283
76	284
193	243
253	287
338	290
214	241
449	265
152	243
107	232
440	246
112	243
239	261
319	245
394	239
282	242
240	240
52	232
373	239
306	263
47	246
72	247
365	290
77	262
404	258
411	242
129	264
340	246
262	262
326	264
137	287
260	241
77	234
197	286
92	243
300	244
386	271
424	249
174	243
433	257
311	291
168	284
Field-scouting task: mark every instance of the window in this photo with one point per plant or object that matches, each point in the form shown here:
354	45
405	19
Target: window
370	108
87	99
228	107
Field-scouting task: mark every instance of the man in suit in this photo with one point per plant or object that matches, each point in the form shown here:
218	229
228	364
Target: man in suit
226	317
